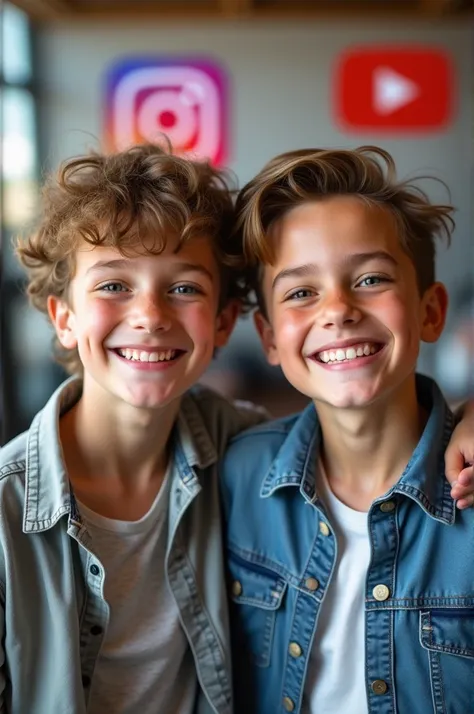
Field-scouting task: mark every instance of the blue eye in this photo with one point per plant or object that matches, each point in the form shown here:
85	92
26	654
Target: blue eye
372	280
113	288
300	294
186	290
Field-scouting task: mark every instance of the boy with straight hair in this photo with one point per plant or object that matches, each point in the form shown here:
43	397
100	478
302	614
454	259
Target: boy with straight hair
351	576
111	570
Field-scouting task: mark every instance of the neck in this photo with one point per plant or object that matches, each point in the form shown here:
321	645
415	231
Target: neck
365	451
115	442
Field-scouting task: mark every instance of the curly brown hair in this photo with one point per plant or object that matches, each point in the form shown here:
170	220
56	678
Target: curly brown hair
119	200
368	172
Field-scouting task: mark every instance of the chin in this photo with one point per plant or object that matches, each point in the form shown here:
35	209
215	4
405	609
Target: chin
348	399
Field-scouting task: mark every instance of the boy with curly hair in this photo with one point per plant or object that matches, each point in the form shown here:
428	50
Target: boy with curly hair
351	575
111	568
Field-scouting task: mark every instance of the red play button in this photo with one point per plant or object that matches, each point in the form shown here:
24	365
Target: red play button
394	89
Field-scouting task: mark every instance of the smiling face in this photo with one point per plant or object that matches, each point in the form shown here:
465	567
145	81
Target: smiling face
344	313
145	326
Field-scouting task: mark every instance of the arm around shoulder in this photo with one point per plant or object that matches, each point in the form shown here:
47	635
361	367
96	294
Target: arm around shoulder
459	458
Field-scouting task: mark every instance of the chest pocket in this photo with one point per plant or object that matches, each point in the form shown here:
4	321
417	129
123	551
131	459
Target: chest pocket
256	594
448	637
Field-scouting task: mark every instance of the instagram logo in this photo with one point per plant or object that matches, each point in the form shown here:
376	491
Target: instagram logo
181	98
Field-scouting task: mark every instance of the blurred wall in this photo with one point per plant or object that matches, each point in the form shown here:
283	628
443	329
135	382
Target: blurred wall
281	87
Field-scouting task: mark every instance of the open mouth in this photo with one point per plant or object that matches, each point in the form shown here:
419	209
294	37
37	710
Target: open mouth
143	356
348	354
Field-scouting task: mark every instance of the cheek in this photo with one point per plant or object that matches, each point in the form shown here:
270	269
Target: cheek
200	321
291	328
97	317
402	317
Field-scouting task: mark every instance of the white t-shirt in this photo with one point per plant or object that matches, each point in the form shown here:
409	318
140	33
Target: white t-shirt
336	672
145	665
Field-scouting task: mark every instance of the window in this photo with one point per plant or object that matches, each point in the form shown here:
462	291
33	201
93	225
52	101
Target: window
22	346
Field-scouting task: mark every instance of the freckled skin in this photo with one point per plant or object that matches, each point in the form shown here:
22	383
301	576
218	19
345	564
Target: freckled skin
151	301
340	295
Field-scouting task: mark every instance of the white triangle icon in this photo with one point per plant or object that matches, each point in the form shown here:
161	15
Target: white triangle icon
391	90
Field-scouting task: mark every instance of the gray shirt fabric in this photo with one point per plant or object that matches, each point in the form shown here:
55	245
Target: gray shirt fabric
53	614
144	664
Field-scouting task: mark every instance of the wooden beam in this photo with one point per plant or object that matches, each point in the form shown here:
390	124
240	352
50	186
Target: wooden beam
43	9
299	9
183	10
265	10
436	7
230	8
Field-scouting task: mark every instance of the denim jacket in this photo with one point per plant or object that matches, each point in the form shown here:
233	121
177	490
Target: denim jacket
53	615
419	592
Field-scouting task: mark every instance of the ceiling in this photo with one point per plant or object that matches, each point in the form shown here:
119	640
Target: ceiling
240	9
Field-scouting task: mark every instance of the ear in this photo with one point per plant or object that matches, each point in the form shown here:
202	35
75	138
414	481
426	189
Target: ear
226	320
63	320
267	338
434	307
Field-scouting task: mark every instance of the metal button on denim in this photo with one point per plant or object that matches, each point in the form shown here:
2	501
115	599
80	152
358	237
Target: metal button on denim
324	528
381	592
236	588
379	686
387	507
295	650
288	704
312	583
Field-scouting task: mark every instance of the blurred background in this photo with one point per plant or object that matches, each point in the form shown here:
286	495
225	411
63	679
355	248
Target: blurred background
237	81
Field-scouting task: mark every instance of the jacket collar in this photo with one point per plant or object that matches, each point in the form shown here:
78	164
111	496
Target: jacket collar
48	495
423	479
295	463
47	491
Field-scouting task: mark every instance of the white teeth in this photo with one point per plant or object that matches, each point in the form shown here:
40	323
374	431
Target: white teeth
350	353
142	356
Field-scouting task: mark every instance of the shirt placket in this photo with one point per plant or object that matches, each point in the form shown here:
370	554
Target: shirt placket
311	591
379	615
94	616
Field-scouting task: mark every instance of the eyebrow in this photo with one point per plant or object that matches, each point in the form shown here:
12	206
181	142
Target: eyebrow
118	263
352	260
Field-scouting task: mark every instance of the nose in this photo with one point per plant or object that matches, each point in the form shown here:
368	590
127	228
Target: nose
337	309
150	313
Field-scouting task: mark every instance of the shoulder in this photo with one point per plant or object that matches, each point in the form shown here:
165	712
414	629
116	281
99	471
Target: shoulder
251	453
13	457
223	419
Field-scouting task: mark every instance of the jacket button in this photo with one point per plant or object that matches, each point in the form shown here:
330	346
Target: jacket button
295	650
381	592
96	630
236	588
312	583
94	569
387	507
288	704
324	528
379	686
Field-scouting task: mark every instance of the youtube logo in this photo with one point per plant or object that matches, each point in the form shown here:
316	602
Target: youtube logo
394	90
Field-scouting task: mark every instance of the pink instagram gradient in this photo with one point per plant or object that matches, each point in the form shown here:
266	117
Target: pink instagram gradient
185	99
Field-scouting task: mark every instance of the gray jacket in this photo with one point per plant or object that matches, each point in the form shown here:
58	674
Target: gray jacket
53	615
